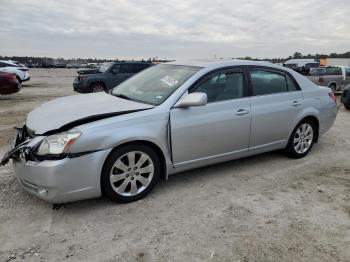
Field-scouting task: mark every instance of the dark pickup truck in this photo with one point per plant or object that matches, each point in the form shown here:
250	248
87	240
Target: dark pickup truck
109	75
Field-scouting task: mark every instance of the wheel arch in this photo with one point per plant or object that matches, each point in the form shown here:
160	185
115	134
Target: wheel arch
333	83
97	82
154	146
315	120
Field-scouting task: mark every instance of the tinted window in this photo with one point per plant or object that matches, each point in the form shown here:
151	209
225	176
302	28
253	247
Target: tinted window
333	71
267	82
291	84
126	68
138	68
347	70
224	85
317	71
2	64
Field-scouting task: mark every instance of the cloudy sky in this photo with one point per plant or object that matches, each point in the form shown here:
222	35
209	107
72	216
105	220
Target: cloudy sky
173	29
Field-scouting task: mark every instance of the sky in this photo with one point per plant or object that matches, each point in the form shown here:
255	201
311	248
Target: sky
172	29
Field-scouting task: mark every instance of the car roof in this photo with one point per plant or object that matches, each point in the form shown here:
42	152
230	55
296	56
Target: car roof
9	62
218	63
132	62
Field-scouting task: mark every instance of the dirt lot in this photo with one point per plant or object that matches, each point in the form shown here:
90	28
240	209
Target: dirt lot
262	208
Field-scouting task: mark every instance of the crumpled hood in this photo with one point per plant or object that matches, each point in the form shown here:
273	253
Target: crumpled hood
78	109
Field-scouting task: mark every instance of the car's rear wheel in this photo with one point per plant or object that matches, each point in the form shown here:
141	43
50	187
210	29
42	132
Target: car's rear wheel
347	107
130	173
333	87
302	139
97	87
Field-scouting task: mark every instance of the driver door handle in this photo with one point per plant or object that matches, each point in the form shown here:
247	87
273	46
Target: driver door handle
296	103
241	112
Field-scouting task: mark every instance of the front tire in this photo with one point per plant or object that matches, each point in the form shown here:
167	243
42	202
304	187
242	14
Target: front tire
302	139
97	87
19	80
130	173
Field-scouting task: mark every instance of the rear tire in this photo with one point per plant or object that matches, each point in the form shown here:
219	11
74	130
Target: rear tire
302	139
333	87
130	173
347	107
97	87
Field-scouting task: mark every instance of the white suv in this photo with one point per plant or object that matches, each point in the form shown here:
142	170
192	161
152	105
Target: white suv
21	71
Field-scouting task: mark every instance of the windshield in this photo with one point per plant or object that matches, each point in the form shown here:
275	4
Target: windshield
104	67
154	85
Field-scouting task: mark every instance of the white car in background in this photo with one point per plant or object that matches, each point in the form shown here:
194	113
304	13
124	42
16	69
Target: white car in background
21	71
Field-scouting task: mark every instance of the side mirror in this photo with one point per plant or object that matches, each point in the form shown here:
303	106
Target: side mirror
192	99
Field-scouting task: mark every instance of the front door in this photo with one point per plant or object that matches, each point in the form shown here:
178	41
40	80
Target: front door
219	129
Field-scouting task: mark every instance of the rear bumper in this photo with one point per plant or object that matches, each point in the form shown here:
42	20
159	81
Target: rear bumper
65	180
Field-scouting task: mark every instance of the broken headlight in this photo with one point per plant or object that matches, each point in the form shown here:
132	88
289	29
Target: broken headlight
57	144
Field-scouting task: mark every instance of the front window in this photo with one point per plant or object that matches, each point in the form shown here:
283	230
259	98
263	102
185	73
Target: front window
222	85
105	66
156	84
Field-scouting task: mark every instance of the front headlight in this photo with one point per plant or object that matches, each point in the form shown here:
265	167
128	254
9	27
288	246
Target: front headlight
57	144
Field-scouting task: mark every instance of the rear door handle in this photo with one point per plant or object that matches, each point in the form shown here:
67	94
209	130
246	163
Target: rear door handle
241	112
296	103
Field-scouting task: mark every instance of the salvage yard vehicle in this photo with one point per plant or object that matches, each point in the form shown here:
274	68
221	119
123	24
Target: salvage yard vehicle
8	84
302	66
107	76
334	77
21	71
166	119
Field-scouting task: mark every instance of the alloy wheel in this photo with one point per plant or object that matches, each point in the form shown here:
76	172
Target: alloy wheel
131	173
303	138
98	88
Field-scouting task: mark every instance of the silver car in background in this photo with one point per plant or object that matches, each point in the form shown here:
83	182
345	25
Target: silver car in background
168	118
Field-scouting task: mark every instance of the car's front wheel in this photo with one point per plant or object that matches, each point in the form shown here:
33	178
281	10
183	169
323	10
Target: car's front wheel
130	173
97	87
302	139
19	80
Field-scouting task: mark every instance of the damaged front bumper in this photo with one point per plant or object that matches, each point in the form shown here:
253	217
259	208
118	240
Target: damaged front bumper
56	181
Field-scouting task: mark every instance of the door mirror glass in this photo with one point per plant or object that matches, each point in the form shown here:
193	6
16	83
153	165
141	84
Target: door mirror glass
193	99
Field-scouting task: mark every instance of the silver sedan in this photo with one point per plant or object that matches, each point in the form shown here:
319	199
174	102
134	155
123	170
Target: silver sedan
169	118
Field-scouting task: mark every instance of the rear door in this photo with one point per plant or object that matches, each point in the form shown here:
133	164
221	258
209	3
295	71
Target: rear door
275	103
219	129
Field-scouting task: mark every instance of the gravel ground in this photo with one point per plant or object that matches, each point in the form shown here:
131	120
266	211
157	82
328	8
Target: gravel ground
262	208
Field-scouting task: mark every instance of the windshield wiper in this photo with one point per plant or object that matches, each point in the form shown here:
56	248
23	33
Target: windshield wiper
124	96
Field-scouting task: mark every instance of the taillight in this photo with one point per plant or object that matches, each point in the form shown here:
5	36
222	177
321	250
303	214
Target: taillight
321	80
332	96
